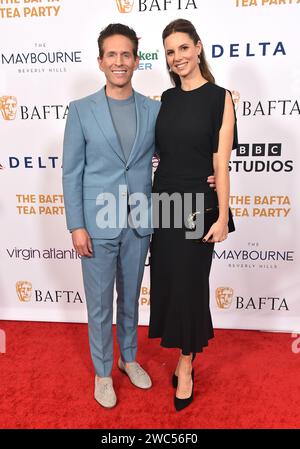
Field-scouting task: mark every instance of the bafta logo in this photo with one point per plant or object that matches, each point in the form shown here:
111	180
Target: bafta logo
125	5
224	297
236	98
8	107
24	290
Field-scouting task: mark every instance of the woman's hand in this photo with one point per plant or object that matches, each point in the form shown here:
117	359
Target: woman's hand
217	233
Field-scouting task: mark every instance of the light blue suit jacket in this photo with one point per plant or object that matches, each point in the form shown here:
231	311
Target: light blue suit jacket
94	166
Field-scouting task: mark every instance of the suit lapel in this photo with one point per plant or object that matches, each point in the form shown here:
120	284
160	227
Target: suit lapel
102	115
142	113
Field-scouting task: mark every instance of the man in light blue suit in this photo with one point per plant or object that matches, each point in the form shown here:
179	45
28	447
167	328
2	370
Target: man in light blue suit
108	149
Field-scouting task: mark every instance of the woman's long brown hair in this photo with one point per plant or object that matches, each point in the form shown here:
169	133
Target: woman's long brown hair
185	26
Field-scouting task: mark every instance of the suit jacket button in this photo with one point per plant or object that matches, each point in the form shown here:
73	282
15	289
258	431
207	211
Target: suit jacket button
127	168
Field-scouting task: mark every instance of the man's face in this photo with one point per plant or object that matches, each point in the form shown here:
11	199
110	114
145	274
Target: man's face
125	5
118	62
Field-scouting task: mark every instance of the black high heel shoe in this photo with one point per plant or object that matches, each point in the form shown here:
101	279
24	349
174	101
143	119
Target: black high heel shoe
180	404
175	378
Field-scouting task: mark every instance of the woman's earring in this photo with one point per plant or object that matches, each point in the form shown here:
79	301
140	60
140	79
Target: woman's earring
170	70
198	60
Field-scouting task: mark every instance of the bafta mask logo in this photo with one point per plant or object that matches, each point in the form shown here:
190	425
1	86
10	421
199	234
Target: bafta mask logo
236	98
125	5
224	297
8	107
24	290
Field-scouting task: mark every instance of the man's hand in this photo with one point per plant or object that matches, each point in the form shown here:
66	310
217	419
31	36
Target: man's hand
212	181
82	242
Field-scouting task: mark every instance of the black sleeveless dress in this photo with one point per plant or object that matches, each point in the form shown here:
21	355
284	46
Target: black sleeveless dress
187	132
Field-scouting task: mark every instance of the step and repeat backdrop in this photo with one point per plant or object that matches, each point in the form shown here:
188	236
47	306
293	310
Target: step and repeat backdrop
48	57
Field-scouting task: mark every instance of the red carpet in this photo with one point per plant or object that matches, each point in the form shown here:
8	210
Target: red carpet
244	379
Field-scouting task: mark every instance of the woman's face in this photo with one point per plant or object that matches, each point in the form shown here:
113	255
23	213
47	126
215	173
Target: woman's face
182	54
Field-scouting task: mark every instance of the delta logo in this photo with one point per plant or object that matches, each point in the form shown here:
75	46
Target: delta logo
248	49
31	162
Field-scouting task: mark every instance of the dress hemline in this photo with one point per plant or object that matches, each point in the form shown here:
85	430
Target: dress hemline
172	346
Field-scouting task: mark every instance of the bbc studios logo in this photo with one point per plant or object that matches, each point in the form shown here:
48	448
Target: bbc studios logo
260	158
26	293
225	300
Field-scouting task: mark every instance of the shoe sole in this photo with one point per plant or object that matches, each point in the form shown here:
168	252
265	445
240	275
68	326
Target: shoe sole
104	406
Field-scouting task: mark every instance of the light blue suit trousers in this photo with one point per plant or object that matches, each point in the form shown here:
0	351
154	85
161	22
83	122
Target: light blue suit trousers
122	258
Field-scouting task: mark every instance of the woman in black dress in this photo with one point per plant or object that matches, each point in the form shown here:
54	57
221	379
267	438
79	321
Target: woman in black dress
195	133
